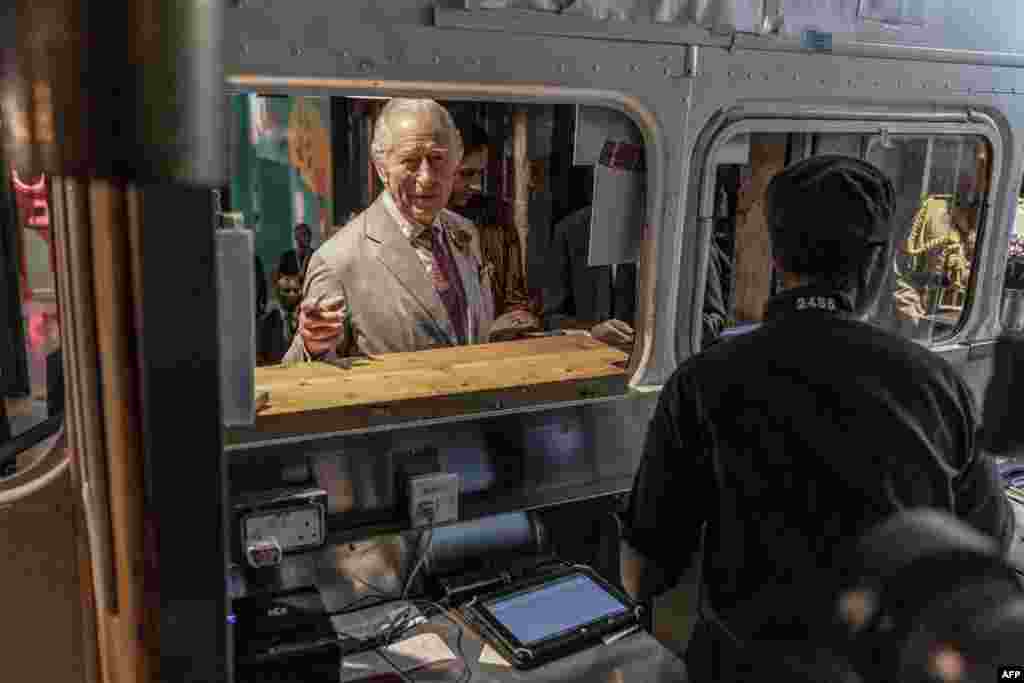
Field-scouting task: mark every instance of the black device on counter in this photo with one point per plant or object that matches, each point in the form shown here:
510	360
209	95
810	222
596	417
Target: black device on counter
553	614
530	605
285	637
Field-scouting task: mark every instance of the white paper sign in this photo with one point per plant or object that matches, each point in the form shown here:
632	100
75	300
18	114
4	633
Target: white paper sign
618	216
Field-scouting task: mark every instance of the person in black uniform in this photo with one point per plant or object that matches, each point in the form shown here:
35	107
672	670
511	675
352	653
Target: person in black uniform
781	444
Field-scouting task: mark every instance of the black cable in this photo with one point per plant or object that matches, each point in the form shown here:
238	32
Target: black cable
419	563
380	591
349	607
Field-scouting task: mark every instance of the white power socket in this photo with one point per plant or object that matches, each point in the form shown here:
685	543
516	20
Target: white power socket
434	499
294	528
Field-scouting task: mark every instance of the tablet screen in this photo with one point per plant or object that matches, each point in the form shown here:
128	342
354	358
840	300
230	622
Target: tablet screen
554	608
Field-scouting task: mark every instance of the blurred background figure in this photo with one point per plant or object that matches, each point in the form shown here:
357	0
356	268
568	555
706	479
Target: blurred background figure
278	325
297	259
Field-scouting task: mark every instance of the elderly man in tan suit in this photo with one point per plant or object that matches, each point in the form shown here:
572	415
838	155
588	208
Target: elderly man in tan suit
405	274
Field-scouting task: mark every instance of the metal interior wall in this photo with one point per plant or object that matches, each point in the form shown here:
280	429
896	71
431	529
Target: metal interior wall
511	462
950	24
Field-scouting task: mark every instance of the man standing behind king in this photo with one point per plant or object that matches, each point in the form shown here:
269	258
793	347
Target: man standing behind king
404	275
499	244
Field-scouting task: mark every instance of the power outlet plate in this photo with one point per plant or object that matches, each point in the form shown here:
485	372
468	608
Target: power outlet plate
295	528
433	499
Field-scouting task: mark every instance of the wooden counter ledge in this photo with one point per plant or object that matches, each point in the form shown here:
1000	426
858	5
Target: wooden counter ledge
312	398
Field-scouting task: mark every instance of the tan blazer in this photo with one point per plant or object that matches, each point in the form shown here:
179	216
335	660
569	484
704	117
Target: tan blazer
391	301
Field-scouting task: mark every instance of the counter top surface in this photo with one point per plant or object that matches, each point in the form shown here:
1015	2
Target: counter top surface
399	387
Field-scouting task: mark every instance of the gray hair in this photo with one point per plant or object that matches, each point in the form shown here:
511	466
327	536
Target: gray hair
383	133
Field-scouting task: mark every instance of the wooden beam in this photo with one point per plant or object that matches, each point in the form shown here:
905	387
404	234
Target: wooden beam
133	640
753	248
308	398
521	176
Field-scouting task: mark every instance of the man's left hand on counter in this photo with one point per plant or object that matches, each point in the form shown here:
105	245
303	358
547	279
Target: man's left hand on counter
514	325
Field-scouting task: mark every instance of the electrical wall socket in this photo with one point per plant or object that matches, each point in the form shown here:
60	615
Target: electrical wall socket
433	499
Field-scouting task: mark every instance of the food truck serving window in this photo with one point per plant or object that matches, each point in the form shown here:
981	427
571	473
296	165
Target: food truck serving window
452	257
941	180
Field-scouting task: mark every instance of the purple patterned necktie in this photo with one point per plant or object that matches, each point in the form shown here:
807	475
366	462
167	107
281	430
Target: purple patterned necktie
448	283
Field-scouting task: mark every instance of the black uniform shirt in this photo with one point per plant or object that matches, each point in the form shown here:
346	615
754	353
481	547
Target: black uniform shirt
797	437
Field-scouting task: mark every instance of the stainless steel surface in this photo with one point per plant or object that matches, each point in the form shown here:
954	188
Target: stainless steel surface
236	313
321	440
510	462
638	657
951	31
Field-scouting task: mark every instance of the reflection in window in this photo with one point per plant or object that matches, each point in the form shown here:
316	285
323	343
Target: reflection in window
940	183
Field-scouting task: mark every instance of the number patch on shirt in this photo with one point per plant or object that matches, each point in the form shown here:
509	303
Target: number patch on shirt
823	303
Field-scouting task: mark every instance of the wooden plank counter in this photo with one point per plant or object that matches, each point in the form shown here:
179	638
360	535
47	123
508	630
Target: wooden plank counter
310	398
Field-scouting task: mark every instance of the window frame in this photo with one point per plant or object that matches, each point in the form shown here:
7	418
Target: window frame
651	345
910	124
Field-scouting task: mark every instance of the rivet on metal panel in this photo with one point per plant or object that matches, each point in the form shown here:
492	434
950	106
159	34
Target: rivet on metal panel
296	51
949	85
749	76
851	83
563	67
635	67
437	60
822	82
366	65
347	54
878	84
732	74
245	49
597	67
668	72
796	77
